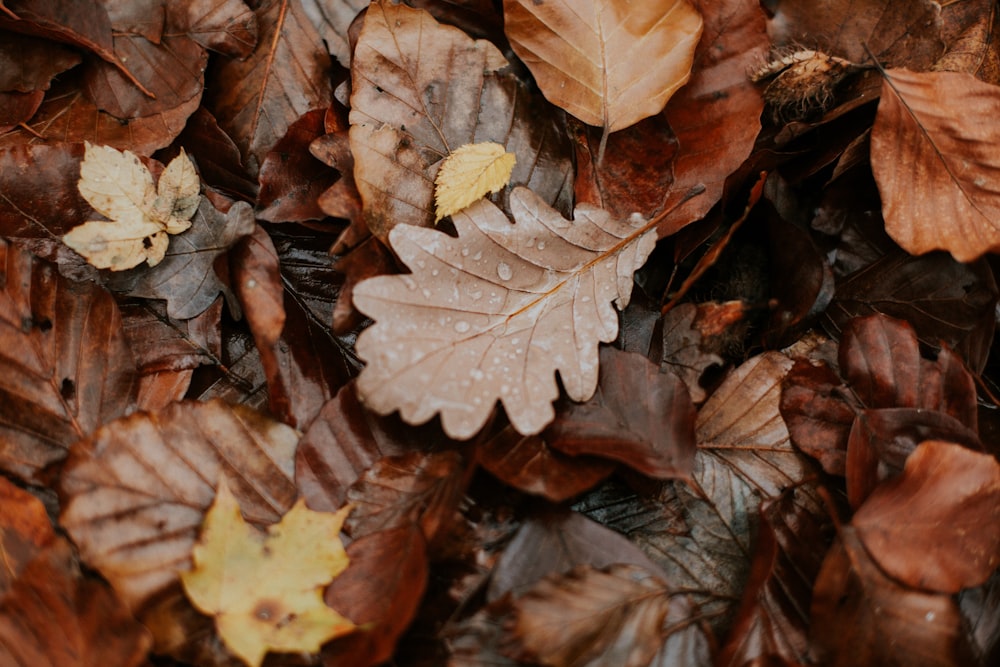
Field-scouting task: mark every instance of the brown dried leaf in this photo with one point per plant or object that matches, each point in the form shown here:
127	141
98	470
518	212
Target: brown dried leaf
257	99
226	26
65	367
485	316
937	525
332	19
160	343
941	124
852	623
28	64
154	474
591	617
419	91
610	63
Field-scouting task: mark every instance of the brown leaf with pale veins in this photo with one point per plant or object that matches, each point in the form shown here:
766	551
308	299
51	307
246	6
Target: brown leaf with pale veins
937	525
226	26
256	100
154	474
610	63
419	91
65	366
591	617
941	125
862	617
486	316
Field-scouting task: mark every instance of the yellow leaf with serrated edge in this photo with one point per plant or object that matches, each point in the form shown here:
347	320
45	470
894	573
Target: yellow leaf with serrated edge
140	215
471	172
266	591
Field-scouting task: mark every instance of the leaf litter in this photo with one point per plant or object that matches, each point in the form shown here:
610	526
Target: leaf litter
746	505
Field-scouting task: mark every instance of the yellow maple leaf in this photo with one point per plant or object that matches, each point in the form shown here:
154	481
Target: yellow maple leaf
468	174
266	592
119	187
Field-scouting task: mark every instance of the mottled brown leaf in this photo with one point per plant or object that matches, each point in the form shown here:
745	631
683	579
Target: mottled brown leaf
862	617
257	99
136	491
419	91
940	123
65	367
937	525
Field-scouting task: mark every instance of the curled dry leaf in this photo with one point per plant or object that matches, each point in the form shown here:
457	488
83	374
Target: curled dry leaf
266	592
937	525
610	63
942	125
487	315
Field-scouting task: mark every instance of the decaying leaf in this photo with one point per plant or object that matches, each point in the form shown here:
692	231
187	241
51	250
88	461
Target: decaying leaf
610	63
266	593
494	313
140	215
942	125
469	173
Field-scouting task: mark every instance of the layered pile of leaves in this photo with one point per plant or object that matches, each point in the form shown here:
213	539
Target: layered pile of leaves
707	382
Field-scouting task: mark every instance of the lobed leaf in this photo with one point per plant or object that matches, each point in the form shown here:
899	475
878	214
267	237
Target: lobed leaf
487	315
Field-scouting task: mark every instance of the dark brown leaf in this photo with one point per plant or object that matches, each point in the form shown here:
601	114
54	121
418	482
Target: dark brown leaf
86	26
48	204
654	436
186	277
862	617
773	620
257	99
257	283
529	464
226	26
414	488
28	64
681	350
937	525
218	158
159	343
819	411
291	179
65	366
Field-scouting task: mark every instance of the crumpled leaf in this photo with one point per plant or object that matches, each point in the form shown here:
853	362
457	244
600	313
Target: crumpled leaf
120	188
420	90
940	123
610	63
937	525
266	593
487	315
470	172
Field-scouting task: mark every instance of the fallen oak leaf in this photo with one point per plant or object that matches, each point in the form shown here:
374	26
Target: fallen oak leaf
486	316
469	173
266	593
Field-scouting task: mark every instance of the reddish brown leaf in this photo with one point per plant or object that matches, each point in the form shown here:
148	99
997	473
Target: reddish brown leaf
257	99
529	464
716	116
86	26
969	31
419	91
367	260
937	525
862	617
28	64
414	488
342	199
819	413
218	158
48	204
159	389
136	491
65	367
593	617
257	282
773	620
654	436
25	530
881	440
291	179
186	277
163	344
381	598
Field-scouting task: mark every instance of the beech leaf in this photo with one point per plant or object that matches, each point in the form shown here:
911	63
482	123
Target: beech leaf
940	123
469	173
119	186
488	315
610	63
266	593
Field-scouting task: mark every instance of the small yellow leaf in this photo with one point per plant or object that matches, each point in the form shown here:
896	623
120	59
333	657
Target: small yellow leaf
140	215
468	174
266	592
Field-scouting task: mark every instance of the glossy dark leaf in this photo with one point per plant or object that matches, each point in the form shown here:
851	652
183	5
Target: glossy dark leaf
66	366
